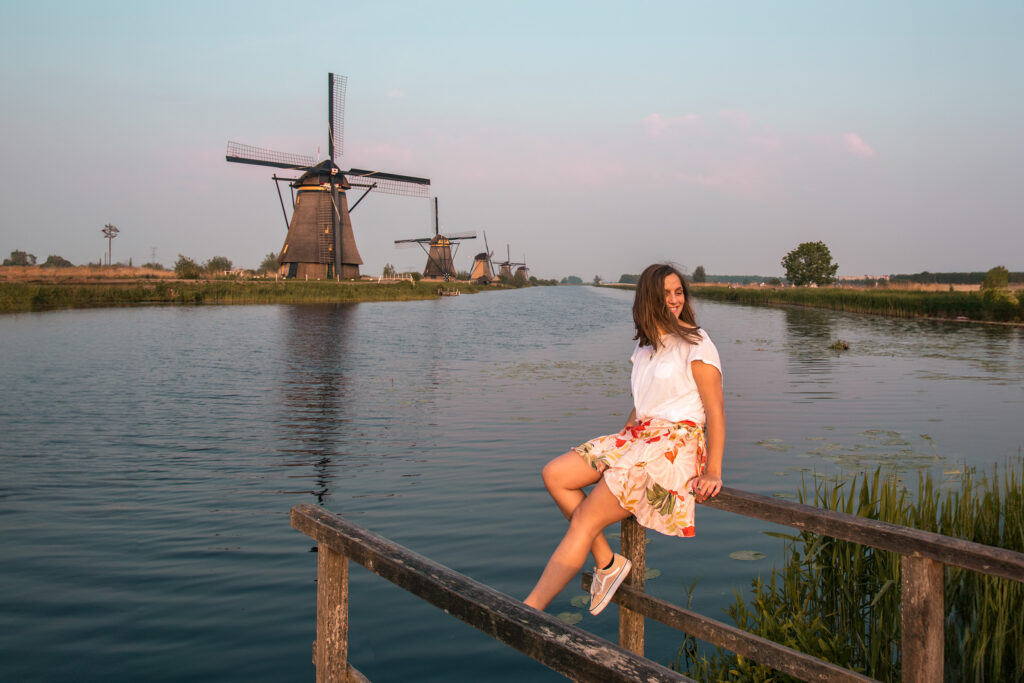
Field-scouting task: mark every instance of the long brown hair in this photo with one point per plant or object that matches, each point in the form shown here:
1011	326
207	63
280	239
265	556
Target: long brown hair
651	315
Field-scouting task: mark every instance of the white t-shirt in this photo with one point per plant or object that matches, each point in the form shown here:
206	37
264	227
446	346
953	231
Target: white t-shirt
662	382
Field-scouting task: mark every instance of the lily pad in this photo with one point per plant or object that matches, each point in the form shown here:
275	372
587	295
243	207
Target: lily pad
570	617
580	601
747	555
652	573
773	445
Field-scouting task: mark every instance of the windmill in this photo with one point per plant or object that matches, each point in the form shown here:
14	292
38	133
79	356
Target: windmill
320	243
483	267
440	255
505	267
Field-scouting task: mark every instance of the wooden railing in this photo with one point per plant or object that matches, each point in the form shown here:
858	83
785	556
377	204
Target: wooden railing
568	650
584	657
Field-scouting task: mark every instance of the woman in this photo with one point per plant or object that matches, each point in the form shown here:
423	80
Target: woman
660	462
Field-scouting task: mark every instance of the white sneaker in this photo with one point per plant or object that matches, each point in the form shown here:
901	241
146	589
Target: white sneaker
607	581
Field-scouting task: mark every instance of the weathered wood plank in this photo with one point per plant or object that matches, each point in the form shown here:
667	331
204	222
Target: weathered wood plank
331	615
779	657
904	540
634	547
923	619
566	649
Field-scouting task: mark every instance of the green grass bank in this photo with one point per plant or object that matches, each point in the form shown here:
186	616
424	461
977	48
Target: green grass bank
18	297
1003	307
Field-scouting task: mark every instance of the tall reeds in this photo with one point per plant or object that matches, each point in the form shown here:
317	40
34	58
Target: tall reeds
22	297
840	601
894	303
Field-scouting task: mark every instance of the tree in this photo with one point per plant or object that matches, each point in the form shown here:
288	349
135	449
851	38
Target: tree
572	280
218	265
186	268
810	263
699	275
597	280
153	265
629	279
269	263
20	258
389	270
996	278
54	261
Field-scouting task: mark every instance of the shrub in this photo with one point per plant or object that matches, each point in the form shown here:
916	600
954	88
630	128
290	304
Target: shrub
186	268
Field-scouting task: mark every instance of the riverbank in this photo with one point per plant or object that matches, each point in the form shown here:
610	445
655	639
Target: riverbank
945	305
20	297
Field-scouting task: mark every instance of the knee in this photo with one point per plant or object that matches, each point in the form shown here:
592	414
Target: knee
551	474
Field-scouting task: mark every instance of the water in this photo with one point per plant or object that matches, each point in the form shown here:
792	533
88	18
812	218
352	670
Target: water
151	455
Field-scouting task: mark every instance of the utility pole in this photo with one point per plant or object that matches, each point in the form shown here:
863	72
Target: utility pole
110	232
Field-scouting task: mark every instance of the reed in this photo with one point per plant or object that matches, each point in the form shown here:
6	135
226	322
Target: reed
840	601
895	303
18	297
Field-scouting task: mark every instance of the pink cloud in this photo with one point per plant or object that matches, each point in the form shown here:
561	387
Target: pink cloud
856	146
737	117
658	126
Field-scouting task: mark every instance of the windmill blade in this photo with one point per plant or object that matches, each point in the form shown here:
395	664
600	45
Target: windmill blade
487	248
336	87
389	183
416	240
470	235
247	154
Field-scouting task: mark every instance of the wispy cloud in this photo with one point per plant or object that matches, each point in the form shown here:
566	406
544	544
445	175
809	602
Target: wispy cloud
737	117
396	94
657	126
856	146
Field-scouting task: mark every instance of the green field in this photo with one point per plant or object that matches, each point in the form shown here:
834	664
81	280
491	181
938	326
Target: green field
896	303
18	297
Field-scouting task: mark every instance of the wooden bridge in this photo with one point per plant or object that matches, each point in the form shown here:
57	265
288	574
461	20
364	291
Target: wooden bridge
582	656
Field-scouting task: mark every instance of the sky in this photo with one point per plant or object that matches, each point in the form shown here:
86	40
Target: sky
588	138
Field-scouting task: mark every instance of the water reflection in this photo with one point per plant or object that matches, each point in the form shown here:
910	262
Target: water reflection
809	334
315	386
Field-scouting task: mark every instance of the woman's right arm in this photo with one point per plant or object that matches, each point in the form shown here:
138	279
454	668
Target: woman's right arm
631	420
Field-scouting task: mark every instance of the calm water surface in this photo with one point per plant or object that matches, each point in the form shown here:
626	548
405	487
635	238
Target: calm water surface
150	457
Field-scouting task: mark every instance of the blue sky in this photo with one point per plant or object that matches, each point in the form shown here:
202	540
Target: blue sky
593	138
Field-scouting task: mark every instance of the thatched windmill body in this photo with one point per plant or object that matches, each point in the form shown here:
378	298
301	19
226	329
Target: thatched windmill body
320	243
440	250
483	267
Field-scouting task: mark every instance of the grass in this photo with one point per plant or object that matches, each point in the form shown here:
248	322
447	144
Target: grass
840	601
895	303
18	297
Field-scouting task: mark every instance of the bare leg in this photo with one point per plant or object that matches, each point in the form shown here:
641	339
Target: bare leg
565	477
597	511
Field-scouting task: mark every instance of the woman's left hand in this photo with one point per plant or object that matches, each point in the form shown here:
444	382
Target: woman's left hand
706	486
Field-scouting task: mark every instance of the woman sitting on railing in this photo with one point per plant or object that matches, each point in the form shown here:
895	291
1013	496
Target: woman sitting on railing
660	462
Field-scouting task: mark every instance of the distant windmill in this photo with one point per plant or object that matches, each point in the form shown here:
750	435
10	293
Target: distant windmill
522	269
440	256
320	243
483	267
505	267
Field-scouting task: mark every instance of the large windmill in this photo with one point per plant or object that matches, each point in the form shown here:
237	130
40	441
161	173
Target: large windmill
320	243
440	255
505	267
483	267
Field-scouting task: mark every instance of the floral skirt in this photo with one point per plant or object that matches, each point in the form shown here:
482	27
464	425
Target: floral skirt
650	468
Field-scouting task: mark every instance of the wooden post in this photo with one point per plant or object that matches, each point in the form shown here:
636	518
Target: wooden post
634	547
923	619
331	616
